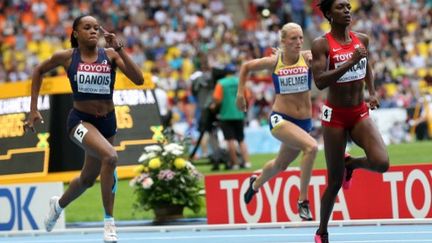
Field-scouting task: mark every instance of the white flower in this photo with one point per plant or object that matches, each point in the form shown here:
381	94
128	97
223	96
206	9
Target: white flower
146	156
153	148
147	183
133	182
189	165
177	152
174	149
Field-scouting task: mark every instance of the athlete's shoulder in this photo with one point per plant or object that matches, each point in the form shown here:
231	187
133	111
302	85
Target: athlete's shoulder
361	36
307	56
320	43
319	40
62	55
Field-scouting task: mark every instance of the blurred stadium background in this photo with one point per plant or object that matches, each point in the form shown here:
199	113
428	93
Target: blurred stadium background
174	41
170	39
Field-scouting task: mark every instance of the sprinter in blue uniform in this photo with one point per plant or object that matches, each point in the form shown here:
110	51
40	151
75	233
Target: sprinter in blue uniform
290	122
92	122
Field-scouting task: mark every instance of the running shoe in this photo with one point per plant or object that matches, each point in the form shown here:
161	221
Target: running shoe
249	194
304	210
321	238
51	219
246	165
110	232
346	183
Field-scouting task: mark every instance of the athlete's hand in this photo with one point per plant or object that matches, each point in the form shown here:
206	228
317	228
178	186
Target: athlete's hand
111	39
241	102
358	54
34	116
373	102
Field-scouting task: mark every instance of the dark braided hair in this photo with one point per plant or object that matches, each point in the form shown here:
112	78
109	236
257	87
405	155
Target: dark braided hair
325	6
73	39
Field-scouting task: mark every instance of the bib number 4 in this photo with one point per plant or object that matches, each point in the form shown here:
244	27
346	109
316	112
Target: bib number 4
326	113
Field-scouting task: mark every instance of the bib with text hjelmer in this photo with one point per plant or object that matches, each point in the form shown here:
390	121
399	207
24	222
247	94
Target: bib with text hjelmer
290	79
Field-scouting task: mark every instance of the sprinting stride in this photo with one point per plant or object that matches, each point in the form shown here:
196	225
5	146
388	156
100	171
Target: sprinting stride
340	64
92	122
290	121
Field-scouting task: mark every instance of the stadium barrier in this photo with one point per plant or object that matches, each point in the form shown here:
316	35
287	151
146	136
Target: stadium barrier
24	206
404	192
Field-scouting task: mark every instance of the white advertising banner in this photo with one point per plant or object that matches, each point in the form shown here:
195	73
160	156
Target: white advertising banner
24	206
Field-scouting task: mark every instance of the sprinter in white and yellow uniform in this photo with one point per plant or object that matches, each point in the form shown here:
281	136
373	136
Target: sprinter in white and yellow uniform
290	121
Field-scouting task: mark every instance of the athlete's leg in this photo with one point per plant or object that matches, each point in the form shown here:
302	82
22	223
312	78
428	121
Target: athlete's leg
272	167
100	157
366	135
334	148
89	173
294	139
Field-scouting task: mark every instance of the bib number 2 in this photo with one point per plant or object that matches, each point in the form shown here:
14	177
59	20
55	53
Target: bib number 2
275	119
326	113
80	132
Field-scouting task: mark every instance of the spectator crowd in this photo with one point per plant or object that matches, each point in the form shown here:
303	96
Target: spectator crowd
173	39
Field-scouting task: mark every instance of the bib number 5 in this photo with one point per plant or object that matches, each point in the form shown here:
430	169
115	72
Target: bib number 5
80	132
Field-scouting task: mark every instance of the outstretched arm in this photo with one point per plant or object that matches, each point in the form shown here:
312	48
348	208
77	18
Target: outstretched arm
253	65
59	58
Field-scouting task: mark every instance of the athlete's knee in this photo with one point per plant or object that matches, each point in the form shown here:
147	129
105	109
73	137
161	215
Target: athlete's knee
311	148
110	159
87	181
381	166
379	162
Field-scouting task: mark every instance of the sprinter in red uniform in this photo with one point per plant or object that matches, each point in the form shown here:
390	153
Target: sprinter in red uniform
340	63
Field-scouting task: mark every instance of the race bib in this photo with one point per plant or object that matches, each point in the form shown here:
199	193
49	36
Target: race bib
356	72
94	78
293	84
80	132
275	119
326	113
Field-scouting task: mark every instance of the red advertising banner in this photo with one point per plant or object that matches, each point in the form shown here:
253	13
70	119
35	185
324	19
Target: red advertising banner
402	192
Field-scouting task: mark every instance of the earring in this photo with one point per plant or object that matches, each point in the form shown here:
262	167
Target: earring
331	20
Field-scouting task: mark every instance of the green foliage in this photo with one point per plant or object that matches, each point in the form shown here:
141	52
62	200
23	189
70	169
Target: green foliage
88	207
166	177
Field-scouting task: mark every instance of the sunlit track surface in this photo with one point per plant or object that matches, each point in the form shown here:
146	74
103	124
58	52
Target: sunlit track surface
343	231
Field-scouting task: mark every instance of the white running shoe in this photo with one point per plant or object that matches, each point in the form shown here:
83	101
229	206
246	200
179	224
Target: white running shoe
110	233
53	215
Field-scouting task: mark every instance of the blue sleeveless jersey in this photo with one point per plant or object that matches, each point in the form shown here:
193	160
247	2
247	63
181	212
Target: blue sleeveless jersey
91	81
